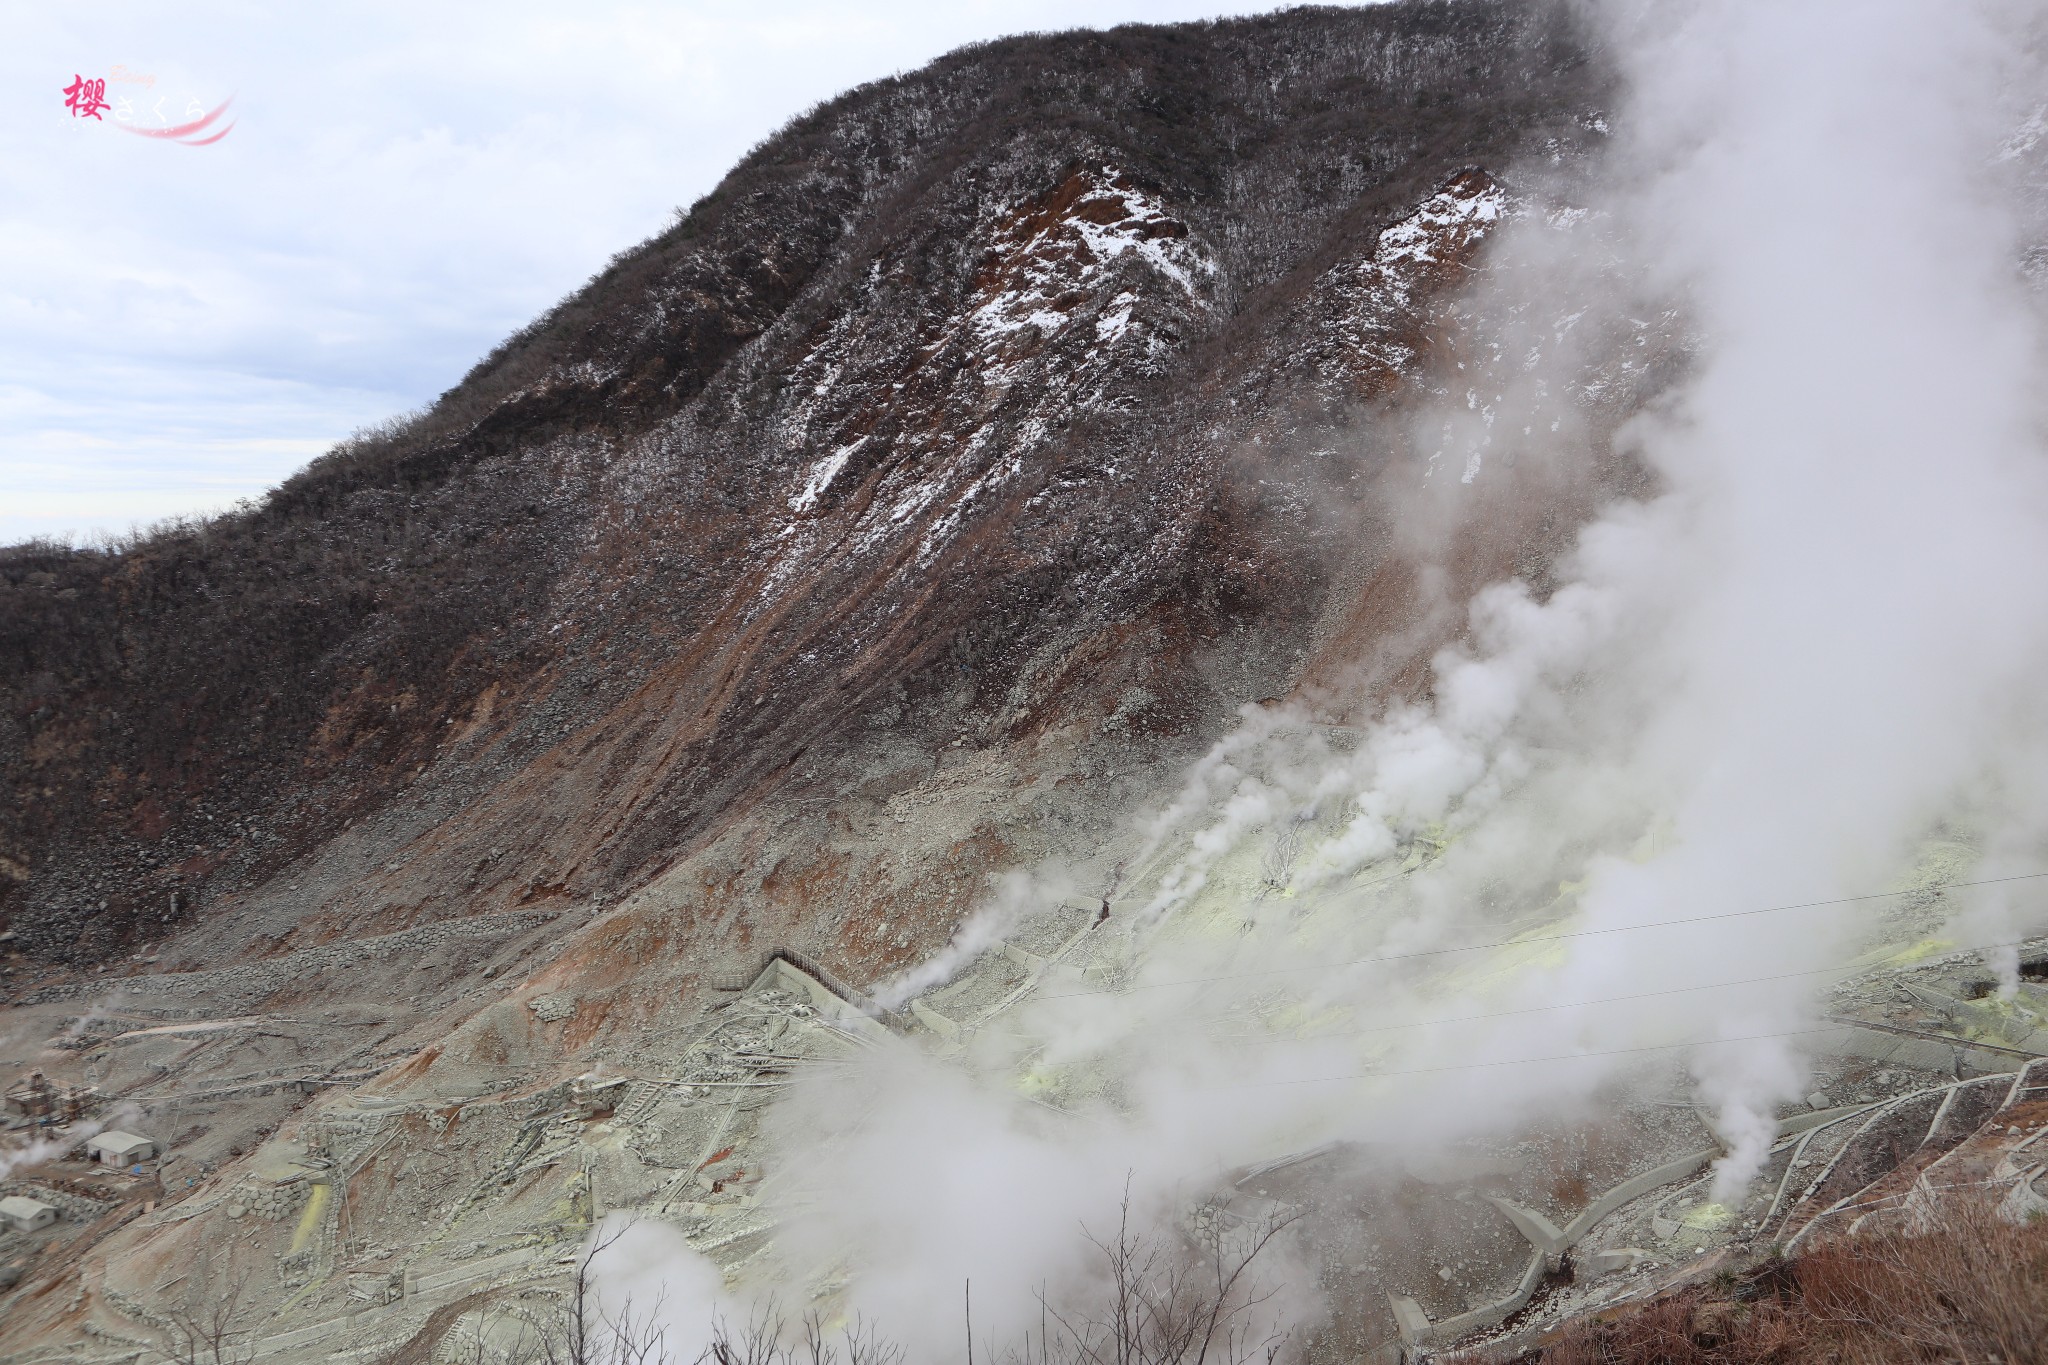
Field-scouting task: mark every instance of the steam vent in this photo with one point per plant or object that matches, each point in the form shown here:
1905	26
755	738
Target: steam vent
1353	686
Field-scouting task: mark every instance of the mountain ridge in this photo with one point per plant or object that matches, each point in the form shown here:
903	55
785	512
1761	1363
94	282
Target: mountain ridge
290	668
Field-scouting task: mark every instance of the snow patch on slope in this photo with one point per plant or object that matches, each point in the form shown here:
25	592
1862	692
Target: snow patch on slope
1371	299
1448	221
1048	268
821	475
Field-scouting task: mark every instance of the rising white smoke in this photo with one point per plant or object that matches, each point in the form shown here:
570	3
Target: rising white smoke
1813	638
23	1152
33	1147
1822	635
1017	894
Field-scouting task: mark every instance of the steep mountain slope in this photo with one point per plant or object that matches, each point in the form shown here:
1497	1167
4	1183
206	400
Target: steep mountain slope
930	422
910	512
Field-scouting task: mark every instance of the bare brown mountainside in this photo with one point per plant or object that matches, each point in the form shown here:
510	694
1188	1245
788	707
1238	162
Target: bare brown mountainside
973	413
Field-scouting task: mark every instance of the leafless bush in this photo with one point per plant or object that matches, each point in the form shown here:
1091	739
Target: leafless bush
582	1334
1168	1300
765	1341
1963	1286
1171	1302
205	1334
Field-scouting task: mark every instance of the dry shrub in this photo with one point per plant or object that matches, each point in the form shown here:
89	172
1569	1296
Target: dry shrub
1964	1286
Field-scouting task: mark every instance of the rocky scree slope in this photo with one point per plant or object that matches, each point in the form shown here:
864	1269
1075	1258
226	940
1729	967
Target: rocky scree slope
975	410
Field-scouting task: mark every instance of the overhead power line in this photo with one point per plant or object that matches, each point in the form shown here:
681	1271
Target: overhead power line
1581	1004
1533	1061
1521	941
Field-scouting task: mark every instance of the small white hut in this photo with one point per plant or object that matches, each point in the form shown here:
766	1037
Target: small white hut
24	1214
116	1148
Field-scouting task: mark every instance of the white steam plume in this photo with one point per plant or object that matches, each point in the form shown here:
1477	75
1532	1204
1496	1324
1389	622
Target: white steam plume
21	1151
1763	683
1017	894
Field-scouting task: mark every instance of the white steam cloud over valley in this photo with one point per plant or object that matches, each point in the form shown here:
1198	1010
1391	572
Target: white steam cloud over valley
1646	811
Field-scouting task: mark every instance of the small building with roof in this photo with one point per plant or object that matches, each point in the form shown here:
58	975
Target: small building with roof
23	1214
116	1148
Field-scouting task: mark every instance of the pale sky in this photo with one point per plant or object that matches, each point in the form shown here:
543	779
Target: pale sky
401	185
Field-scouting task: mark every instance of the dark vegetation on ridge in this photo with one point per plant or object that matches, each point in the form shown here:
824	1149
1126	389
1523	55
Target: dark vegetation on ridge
189	709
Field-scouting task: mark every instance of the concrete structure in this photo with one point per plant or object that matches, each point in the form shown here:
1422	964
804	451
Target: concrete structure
23	1214
116	1148
591	1095
36	1097
31	1097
